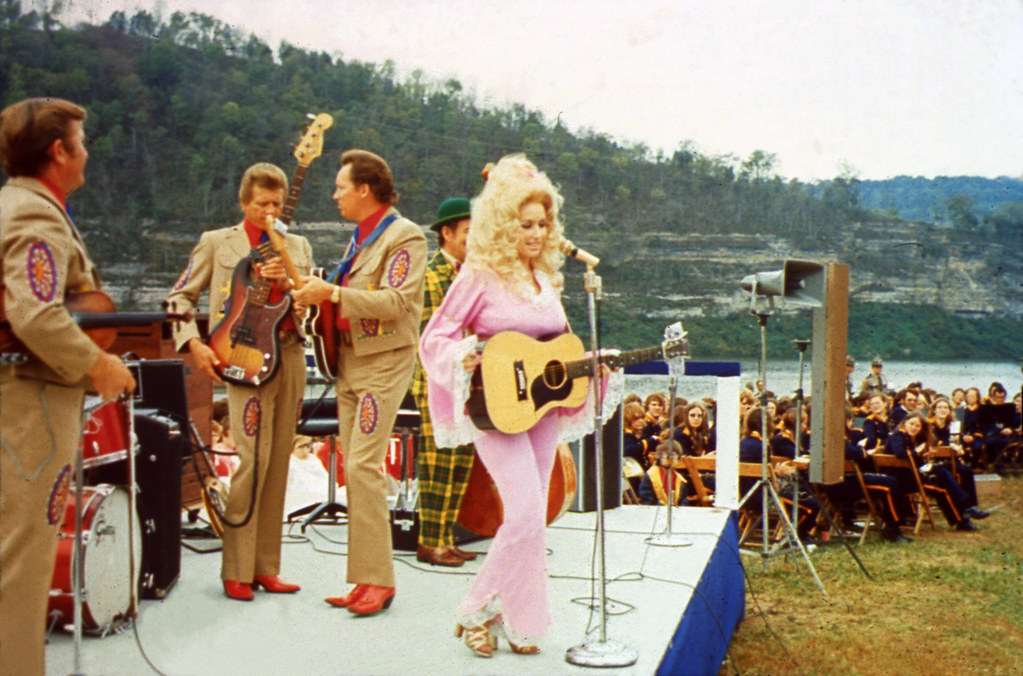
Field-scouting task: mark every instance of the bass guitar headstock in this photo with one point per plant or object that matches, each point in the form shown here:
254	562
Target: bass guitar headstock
311	145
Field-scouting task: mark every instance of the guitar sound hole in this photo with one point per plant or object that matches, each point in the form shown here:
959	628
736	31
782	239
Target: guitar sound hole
554	374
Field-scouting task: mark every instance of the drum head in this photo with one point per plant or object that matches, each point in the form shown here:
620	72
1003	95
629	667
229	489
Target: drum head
108	580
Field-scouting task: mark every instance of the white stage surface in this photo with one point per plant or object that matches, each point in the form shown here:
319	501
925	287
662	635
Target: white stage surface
693	593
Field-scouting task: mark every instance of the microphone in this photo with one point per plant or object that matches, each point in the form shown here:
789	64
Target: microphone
575	252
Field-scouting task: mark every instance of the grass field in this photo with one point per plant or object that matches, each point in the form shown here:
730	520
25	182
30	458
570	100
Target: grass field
947	603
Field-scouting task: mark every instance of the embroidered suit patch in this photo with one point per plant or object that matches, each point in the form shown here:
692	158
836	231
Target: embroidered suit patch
42	274
58	496
370	327
250	416
368	414
400	266
185	276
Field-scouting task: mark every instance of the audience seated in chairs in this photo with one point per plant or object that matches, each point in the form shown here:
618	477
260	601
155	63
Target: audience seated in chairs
653	489
875	426
656	407
913	440
884	494
905	401
636	445
751	451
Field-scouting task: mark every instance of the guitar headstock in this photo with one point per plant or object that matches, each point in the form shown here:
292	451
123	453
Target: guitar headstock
311	145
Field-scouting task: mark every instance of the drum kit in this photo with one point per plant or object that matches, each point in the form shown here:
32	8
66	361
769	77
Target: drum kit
95	579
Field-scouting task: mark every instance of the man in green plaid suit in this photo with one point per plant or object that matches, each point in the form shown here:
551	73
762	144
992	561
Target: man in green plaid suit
443	472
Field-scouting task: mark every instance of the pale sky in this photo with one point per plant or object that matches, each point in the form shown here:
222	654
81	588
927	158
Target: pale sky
876	87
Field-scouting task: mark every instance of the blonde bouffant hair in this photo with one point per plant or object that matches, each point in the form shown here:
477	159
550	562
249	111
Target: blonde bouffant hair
511	183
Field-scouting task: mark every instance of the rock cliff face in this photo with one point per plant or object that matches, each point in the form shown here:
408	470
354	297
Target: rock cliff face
910	264
700	274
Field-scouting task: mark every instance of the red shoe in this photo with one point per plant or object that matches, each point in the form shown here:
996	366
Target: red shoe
274	584
239	591
351	597
373	600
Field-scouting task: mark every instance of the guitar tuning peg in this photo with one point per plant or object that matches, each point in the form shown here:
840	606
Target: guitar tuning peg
310	116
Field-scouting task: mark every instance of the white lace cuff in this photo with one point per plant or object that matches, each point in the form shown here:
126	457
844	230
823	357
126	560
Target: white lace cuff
462	431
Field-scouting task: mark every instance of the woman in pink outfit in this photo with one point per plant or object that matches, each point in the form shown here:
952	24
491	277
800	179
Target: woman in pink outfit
510	282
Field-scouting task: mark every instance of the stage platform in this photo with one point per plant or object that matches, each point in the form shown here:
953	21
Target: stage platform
676	606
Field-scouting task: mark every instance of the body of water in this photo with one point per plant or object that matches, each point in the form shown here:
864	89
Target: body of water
783	377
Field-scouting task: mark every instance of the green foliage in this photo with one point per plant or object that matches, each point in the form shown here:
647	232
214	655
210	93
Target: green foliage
179	107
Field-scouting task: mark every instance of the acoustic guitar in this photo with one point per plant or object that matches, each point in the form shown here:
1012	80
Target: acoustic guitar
245	340
520	379
95	313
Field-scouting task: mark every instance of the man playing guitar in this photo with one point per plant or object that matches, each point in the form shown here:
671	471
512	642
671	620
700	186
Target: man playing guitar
377	293
44	261
262	414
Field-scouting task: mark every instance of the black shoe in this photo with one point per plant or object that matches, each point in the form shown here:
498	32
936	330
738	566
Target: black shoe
894	535
966	525
975	513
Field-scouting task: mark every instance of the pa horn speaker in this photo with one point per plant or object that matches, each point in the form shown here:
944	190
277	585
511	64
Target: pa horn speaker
799	282
765	283
804	283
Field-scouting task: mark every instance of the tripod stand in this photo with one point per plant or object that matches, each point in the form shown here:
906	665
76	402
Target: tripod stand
330	510
768	495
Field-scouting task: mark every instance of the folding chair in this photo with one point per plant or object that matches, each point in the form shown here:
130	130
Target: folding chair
918	498
947	453
695	465
873	519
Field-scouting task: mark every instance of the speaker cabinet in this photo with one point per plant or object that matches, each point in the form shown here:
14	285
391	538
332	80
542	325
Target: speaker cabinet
158	468
830	334
584	453
160	385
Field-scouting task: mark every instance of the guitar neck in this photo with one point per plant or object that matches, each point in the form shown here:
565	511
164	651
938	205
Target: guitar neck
286	213
297	181
260	289
583	367
102	320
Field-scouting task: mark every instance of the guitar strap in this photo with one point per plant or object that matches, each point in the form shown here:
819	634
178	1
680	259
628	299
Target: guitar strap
341	271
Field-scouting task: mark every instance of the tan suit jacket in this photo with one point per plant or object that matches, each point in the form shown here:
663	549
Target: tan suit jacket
252	537
42	259
383	300
211	267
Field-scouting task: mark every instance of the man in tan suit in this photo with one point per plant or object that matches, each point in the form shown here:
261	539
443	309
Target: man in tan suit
263	415
378	294
43	262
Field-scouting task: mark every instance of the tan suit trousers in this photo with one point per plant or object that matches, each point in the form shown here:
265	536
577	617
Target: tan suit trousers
369	391
255	548
40	428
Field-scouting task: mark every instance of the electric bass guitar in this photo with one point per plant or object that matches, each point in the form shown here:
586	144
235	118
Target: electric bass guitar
245	340
95	313
520	379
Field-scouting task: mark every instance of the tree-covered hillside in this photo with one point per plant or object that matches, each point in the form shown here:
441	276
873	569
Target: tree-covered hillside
179	107
965	200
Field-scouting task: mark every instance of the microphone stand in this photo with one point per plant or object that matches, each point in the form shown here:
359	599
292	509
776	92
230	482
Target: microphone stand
676	368
602	653
77	564
801	345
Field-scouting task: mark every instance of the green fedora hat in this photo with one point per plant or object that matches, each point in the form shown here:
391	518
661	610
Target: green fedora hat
452	209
